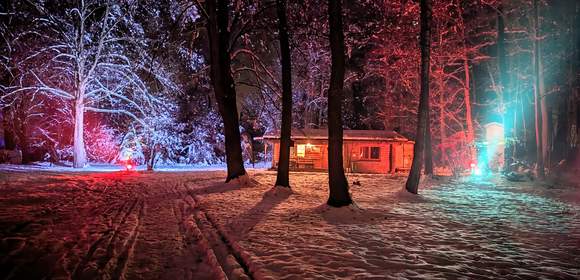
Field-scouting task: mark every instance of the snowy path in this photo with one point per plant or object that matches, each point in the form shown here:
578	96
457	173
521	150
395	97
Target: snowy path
189	225
104	225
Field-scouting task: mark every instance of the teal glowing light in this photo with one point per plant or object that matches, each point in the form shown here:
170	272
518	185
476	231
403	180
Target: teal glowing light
490	151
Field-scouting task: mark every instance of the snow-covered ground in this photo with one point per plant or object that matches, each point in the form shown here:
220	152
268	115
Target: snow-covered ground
190	225
105	167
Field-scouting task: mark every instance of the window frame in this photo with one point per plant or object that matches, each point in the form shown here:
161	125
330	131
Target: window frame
368	150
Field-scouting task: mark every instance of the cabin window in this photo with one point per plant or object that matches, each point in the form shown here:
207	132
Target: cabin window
312	149
370	153
300	150
307	150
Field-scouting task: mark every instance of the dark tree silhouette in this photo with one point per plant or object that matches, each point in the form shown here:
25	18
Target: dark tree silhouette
223	84
538	90
285	133
339	195
508	120
412	184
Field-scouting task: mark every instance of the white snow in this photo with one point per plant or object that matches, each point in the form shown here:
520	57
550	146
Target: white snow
191	225
470	229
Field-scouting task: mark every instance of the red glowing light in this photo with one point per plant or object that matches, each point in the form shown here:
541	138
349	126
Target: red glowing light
129	166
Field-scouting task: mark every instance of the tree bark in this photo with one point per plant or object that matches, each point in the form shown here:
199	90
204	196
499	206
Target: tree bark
428	146
412	184
79	153
223	84
151	159
23	138
442	130
282	178
467	91
537	94
545	111
9	141
561	145
339	195
574	142
468	115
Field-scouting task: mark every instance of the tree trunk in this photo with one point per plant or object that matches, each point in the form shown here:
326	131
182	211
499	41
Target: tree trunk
412	184
23	139
546	124
524	127
9	141
468	116
428	146
282	178
561	145
79	153
537	94
223	84
506	96
428	149
442	130
151	160
339	195
574	90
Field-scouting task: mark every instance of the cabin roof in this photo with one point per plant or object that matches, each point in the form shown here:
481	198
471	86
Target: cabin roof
322	134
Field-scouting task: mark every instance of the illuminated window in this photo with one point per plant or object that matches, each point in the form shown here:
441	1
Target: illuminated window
300	150
312	149
370	152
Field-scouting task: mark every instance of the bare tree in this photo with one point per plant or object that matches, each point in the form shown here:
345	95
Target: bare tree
282	178
81	56
339	194
467	84
412	184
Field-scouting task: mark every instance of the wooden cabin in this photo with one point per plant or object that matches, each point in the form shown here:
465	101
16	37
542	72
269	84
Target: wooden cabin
364	151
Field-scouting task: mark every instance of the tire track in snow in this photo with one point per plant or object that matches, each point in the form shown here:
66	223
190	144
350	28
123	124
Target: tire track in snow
233	261
109	236
189	229
129	245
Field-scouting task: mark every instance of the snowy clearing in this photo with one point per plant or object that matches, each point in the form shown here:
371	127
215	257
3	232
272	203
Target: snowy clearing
105	167
190	225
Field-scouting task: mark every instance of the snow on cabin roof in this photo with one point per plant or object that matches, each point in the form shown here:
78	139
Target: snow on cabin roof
322	134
